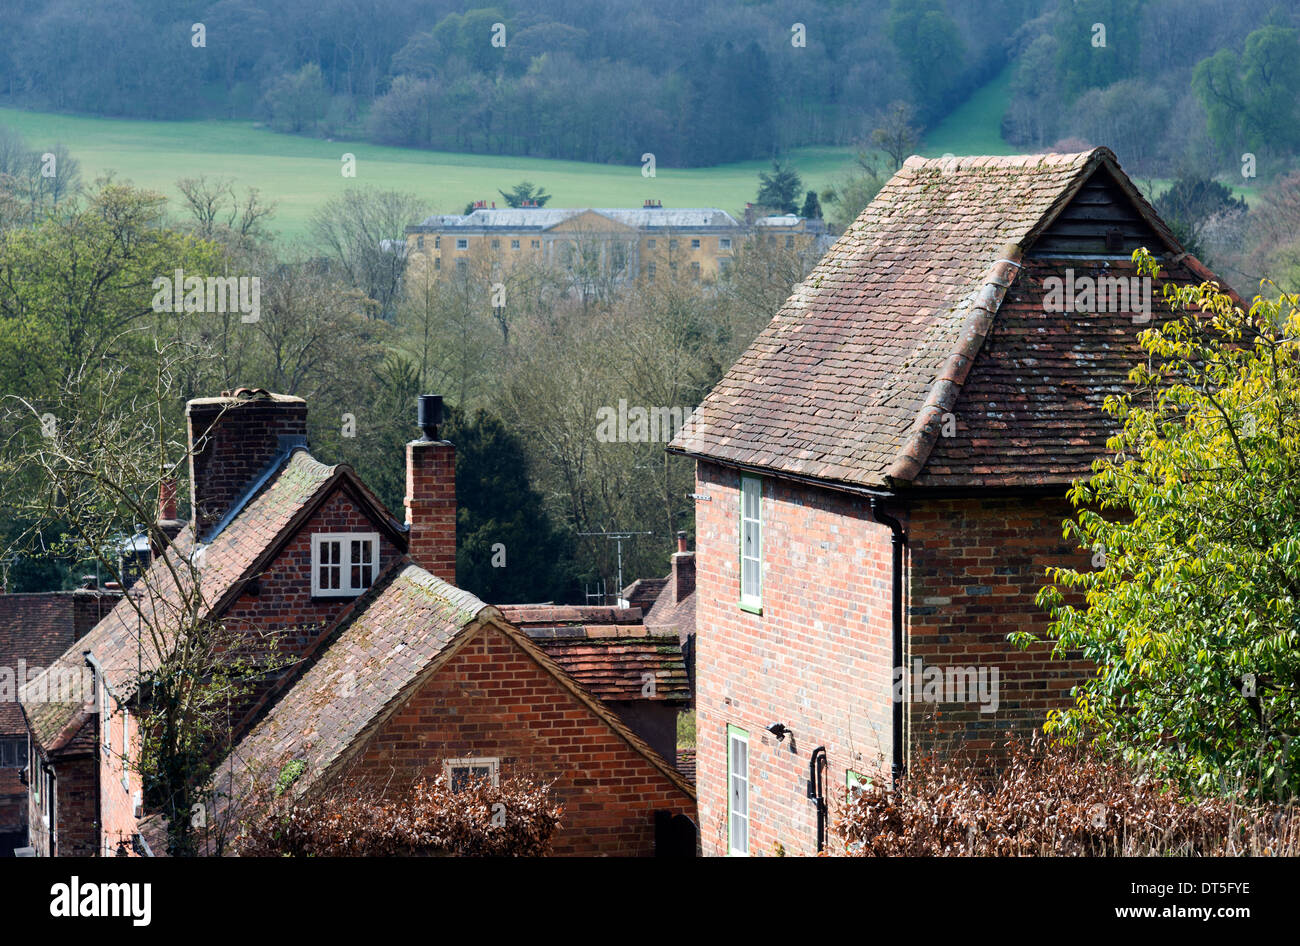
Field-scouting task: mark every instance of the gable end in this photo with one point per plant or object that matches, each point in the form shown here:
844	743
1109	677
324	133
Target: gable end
1101	219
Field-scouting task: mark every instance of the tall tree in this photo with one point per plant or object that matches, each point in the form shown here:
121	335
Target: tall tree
779	190
1192	609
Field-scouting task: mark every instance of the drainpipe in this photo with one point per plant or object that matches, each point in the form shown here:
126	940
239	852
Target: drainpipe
100	681
817	792
899	541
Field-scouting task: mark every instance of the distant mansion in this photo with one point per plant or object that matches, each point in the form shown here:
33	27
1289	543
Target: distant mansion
631	243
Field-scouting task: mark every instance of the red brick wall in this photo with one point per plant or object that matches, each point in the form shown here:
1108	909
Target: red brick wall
13	803
116	808
431	506
493	700
76	791
976	567
817	659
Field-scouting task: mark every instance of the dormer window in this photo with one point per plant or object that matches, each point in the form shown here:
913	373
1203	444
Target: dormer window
343	564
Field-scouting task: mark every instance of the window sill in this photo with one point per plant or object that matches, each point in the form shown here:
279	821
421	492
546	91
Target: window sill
325	599
751	608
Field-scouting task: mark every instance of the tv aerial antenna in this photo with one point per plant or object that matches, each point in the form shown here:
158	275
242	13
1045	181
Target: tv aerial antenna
618	538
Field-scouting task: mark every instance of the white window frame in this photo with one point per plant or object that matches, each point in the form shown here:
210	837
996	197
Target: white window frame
126	744
345	540
105	714
695	244
724	243
462	243
737	813
491	763
751	565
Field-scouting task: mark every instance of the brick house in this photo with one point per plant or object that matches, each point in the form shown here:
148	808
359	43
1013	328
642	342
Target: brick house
424	679
34	630
637	670
304	555
881	482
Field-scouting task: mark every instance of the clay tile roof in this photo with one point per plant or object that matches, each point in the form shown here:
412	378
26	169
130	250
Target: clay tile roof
37	629
396	631
116	642
848	381
671	614
402	630
643	592
606	650
686	763
612	662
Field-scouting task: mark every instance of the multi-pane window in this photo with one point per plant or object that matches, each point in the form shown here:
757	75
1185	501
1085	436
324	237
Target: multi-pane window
650	271
496	244
737	791
650	243
13	753
789	243
462	244
751	542
514	244
343	564
724	243
462	773
536	244
695	244
419	243
437	243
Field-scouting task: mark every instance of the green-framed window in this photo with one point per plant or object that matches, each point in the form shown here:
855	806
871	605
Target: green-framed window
854	783
737	791
751	543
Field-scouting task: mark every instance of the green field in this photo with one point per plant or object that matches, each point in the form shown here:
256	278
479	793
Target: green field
300	173
975	126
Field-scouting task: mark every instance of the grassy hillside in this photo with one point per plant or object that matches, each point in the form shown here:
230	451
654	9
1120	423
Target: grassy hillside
975	126
301	173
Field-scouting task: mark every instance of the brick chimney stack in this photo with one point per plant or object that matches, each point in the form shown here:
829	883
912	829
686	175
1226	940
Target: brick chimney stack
431	494
234	440
683	570
168	524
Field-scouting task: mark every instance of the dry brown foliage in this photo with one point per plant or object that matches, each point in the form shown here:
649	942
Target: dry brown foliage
1053	800
517	819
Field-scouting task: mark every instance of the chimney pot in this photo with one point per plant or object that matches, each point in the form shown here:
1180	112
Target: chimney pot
683	577
167	500
429	415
